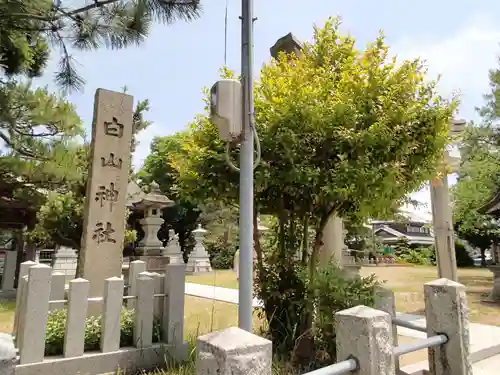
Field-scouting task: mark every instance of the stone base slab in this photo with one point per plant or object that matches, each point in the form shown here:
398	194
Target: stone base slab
126	360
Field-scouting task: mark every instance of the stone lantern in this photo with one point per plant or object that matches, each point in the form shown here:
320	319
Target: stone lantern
199	260
150	247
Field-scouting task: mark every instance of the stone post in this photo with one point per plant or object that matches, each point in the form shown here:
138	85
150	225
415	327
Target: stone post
34	314
366	334
74	338
446	313
233	351
173	308
9	270
385	301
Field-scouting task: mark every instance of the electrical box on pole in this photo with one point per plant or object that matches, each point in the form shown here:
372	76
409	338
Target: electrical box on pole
226	107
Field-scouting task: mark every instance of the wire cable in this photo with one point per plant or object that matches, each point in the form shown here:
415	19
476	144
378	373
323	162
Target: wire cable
257	149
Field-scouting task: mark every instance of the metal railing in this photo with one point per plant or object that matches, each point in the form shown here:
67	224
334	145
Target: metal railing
351	364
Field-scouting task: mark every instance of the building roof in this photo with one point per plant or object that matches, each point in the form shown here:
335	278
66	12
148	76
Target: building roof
492	207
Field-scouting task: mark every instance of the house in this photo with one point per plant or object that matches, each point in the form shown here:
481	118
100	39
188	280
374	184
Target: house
414	232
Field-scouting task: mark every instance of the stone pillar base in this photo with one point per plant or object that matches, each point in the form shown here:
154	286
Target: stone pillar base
65	260
199	265
494	296
148	251
154	263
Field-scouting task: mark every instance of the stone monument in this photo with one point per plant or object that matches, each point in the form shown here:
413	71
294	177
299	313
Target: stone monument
199	260
105	200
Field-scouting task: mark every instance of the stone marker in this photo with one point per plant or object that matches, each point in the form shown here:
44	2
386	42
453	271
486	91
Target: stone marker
104	215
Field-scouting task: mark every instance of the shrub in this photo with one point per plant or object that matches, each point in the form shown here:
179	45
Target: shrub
419	255
56	324
336	292
286	291
222	253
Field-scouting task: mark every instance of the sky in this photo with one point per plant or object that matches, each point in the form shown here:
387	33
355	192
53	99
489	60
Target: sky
459	40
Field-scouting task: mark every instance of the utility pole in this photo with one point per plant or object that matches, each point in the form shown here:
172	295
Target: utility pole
245	307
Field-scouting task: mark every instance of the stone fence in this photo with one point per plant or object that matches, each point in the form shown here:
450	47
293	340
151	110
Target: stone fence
158	301
366	342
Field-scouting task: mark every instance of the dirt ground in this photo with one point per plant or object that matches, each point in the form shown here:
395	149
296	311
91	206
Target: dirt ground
407	284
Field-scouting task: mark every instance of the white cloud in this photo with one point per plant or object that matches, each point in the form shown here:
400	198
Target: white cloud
143	148
463	59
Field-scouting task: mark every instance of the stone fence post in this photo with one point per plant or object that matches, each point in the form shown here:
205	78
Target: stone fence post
446	313
385	301
365	334
233	351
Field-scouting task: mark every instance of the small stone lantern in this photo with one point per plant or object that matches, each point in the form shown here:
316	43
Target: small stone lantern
199	260
152	204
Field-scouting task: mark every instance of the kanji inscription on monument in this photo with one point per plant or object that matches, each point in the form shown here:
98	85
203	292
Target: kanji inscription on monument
104	216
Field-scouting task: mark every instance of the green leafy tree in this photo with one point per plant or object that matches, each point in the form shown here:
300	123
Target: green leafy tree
29	28
342	131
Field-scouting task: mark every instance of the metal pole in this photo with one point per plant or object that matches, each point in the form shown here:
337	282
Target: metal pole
246	171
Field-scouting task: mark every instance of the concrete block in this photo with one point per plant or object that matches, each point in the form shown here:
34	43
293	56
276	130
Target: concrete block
446	313
366	334
233	351
111	314
35	313
143	324
74	338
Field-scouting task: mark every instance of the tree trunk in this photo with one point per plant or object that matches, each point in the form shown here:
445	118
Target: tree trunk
79	268
483	258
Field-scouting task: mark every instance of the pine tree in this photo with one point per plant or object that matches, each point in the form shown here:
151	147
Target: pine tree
29	28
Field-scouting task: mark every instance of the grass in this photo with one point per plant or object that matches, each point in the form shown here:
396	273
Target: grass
204	315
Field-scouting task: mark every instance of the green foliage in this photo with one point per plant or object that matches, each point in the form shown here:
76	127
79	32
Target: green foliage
342	131
27	25
419	255
336	292
182	217
286	287
34	123
222	253
56	323
479	172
